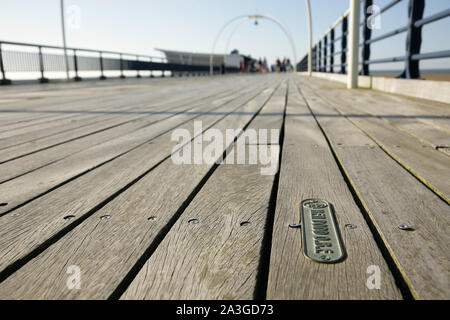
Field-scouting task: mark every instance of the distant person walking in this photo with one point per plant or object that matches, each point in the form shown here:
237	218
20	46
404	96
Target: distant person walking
283	65
288	65
241	66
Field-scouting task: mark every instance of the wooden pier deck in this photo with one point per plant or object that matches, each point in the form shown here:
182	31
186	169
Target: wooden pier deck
87	181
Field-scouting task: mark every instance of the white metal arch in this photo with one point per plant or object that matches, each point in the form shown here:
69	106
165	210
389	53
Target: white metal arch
354	8
232	34
249	17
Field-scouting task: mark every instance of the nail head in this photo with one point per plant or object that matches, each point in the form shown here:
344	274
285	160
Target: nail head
193	221
405	227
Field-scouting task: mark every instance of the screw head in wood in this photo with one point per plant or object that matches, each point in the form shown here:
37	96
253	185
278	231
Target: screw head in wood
105	217
405	227
152	218
244	223
295	225
15	214
193	221
351	226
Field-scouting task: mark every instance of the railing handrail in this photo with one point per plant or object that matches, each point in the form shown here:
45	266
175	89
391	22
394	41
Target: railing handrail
44	62
334	25
77	49
412	53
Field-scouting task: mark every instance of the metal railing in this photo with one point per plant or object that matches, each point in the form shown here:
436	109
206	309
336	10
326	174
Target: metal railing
43	59
413	54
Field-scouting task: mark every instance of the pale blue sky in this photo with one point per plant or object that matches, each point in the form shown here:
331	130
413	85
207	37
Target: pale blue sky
139	26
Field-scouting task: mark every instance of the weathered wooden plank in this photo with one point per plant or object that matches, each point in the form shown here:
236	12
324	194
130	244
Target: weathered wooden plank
219	257
435	114
308	170
16	192
98	109
27	111
128	233
399	112
423	161
142	157
85	138
47	107
421	255
117	116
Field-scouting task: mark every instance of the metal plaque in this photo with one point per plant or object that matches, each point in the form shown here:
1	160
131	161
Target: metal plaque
320	233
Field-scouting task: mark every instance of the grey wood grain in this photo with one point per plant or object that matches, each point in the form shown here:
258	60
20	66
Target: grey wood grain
36	183
423	161
308	170
117	244
69	143
392	197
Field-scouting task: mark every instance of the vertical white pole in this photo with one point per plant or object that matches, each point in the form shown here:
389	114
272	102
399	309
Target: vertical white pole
211	64
308	8
63	26
353	51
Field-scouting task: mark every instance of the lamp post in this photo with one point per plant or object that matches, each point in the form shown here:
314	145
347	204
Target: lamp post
63	26
308	9
353	51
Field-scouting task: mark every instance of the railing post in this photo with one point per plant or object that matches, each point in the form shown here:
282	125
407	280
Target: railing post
102	74
314	60
137	67
413	39
316	65
151	71
4	81
75	66
325	51
121	67
332	51
367	36
344	45
43	79
353	50
320	56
